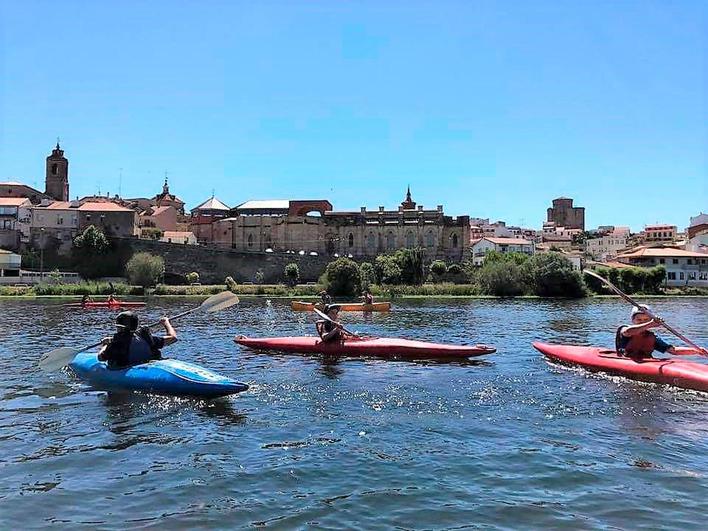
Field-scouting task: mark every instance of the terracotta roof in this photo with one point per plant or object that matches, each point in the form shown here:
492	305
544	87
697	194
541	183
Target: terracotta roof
103	207
661	252
156	210
13	201
504	241
211	204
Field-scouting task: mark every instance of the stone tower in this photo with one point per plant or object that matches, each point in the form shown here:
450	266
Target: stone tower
57	180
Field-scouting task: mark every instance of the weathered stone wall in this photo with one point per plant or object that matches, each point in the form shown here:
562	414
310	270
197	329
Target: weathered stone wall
214	265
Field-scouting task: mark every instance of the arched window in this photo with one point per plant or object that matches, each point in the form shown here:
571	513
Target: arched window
430	239
351	240
371	241
390	241
454	241
410	239
250	240
55	169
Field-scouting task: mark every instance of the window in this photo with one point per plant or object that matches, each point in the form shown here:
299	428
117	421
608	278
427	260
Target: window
703	275
662	261
454	241
691	275
60	221
430	239
681	276
671	275
351	240
689	261
55	169
674	261
371	241
390	241
410	240
250	240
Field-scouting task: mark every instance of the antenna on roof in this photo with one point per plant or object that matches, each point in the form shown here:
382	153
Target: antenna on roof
120	182
212	193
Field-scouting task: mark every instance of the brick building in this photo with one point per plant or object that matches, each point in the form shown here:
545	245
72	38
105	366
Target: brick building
564	214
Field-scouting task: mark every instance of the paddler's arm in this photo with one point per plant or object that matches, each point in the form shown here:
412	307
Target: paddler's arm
633	330
171	336
687	351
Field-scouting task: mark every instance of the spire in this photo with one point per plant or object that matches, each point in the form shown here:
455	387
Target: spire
408	204
165	187
408	194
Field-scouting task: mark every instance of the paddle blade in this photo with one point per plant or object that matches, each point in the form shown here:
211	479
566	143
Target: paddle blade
219	302
57	358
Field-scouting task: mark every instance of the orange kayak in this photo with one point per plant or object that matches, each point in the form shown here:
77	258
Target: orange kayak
300	306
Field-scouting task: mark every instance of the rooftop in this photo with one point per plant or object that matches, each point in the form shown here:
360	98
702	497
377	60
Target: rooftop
13	201
504	241
265	204
212	204
661	252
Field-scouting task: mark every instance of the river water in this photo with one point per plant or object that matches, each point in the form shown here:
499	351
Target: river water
509	441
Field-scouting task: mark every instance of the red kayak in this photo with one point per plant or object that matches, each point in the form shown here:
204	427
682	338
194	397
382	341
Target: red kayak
104	304
676	372
376	347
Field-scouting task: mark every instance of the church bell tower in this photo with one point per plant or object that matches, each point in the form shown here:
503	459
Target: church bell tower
57	180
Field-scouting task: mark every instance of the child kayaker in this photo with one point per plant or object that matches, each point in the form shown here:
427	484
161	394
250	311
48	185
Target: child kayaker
367	297
331	331
638	341
131	345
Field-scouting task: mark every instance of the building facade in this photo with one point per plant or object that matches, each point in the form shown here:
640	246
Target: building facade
564	214
683	268
480	248
57	175
660	233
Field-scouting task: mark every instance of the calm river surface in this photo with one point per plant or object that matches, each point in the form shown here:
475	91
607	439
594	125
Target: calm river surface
509	441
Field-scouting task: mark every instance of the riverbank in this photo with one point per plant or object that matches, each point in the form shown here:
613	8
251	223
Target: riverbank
306	292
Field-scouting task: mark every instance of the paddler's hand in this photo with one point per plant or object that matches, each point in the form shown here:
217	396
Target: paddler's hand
164	321
105	341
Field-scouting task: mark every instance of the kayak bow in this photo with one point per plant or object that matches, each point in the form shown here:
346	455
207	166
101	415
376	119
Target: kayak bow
300	306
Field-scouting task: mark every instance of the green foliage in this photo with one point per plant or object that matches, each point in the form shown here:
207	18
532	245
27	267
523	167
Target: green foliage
387	270
515	257
629	279
259	277
90	250
368	275
192	278
552	275
144	269
411	263
425	290
438	269
502	278
85	288
230	284
342	277
292	274
151	233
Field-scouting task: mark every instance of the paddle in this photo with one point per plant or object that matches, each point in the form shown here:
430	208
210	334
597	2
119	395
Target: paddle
60	357
631	301
327	318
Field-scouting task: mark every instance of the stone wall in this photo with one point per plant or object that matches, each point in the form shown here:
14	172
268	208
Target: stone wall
214	265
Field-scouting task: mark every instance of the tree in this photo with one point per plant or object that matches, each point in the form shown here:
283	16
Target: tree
503	279
342	277
387	269
90	249
438	269
367	274
552	275
144	269
192	278
456	273
292	274
259	277
410	261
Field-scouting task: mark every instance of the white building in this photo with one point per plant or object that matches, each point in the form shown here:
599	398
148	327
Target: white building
14	221
479	248
683	268
608	246
184	238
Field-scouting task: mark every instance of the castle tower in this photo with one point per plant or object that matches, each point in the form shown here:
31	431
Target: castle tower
408	204
57	179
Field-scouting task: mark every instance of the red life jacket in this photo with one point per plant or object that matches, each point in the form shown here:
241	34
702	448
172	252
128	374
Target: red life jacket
638	346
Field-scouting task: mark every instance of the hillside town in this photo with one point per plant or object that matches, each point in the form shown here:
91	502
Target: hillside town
49	221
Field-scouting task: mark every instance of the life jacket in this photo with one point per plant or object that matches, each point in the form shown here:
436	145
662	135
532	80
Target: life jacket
638	346
127	349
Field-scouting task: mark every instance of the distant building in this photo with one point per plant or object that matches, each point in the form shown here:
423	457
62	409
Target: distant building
480	248
167	199
698	225
660	233
57	175
564	214
183	238
609	245
683	268
159	217
14	221
10	264
203	216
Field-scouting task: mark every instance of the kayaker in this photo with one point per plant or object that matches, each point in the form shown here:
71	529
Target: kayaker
131	345
111	299
328	330
638	341
86	299
325	298
367	297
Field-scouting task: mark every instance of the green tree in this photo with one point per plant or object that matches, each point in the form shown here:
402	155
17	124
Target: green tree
342	277
387	270
367	274
292	274
90	250
656	277
438	269
412	266
144	269
503	279
259	277
192	278
496	256
552	275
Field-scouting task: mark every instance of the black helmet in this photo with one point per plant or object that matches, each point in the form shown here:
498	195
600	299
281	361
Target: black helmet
127	320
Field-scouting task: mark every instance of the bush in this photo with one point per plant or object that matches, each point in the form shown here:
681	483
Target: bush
387	270
503	279
410	261
438	269
292	274
144	269
259	277
552	275
629	279
230	284
85	288
367	274
515	257
151	233
90	248
192	278
342	277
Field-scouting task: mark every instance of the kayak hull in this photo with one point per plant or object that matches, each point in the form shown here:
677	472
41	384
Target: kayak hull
373	347
300	306
675	372
102	304
166	377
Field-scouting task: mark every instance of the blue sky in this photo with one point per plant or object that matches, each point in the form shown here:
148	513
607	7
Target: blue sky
490	108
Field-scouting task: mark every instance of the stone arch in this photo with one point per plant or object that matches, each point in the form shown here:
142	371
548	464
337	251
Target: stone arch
350	240
410	239
371	242
430	239
455	240
390	241
249	241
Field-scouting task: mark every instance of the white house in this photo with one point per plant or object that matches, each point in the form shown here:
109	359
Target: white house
683	268
479	248
184	238
607	246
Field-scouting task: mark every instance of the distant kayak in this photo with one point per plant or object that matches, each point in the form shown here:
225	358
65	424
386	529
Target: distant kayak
300	306
676	372
374	347
105	304
166	377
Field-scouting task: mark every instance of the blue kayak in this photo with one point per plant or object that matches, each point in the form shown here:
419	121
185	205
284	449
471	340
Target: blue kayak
166	377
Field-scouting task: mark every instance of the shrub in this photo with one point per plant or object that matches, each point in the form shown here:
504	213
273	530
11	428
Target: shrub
503	279
144	269
151	233
367	274
90	248
387	270
192	278
292	274
259	277
410	261
438	269
230	284
342	277
552	275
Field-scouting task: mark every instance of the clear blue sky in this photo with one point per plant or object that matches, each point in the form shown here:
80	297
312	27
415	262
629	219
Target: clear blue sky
490	108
